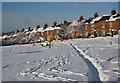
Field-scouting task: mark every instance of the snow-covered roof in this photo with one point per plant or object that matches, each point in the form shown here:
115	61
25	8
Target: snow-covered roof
27	32
114	17
34	30
15	35
106	17
75	23
26	29
4	36
87	21
48	29
40	29
106	14
96	19
57	28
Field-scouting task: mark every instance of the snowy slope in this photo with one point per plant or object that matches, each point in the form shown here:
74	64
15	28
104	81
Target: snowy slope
71	60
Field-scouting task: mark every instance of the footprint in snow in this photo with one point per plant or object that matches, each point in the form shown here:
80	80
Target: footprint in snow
5	66
34	61
5	55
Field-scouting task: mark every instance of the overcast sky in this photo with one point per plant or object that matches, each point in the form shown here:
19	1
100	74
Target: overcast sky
18	15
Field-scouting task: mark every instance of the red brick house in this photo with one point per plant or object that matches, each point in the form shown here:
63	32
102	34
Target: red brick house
49	31
102	25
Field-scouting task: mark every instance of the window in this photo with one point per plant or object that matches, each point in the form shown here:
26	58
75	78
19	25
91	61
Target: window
103	25
42	33
57	31
86	27
47	33
92	27
50	32
119	30
110	25
86	33
103	32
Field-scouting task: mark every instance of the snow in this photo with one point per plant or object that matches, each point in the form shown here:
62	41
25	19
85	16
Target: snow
34	31
48	29
92	59
111	18
40	29
106	14
1	37
75	26
14	35
4	36
74	23
96	19
102	76
114	19
103	53
26	30
57	27
52	28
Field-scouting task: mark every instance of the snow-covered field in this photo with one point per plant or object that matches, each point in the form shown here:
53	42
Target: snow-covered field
103	53
71	60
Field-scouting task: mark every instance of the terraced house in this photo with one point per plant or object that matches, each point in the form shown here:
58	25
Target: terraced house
103	25
108	24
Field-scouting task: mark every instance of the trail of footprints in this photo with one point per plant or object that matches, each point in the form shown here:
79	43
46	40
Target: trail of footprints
56	63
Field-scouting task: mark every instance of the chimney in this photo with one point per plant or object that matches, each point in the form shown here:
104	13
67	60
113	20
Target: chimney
17	31
95	15
45	26
22	30
13	32
54	24
29	29
38	26
81	18
113	12
65	21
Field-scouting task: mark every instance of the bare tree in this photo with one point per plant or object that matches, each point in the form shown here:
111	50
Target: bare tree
76	26
63	31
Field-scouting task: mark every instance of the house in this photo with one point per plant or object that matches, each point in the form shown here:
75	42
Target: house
49	31
103	25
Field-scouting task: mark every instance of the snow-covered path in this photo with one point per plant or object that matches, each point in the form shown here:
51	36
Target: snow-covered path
93	72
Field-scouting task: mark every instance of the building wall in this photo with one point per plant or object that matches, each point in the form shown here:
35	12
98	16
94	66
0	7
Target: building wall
102	27
118	26
52	33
